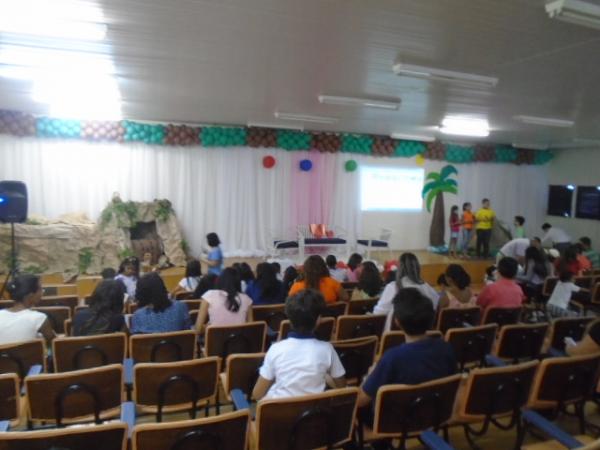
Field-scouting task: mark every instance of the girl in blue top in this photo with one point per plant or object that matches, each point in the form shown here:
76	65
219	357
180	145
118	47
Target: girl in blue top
214	259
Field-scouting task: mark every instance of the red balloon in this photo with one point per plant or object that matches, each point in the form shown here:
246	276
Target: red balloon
268	162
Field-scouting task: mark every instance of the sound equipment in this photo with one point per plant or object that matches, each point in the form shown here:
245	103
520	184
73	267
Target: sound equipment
13	202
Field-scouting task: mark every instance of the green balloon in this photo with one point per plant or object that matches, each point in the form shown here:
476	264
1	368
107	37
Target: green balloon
351	165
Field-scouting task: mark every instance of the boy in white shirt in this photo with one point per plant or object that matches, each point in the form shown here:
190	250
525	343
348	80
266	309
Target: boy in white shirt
334	272
300	364
558	304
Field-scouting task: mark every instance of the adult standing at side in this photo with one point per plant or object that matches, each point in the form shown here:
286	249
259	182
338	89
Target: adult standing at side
555	237
484	222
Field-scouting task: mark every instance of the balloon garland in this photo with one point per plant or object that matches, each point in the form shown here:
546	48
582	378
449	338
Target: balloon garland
350	165
305	165
293	140
356	143
408	149
268	162
58	128
505	154
459	154
223	137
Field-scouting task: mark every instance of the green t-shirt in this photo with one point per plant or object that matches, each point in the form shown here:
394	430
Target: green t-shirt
519	232
594	258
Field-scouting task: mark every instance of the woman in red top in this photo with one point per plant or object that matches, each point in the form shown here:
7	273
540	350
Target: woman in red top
454	231
568	262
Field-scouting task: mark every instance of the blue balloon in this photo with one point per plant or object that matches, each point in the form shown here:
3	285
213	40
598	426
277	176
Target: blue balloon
305	165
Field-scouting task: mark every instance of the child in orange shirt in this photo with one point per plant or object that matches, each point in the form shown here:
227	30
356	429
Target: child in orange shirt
468	222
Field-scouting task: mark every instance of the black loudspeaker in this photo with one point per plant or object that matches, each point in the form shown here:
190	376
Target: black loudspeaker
13	202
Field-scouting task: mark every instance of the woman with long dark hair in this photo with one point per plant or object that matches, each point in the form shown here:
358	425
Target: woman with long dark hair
369	282
266	288
537	269
458	292
225	304
105	314
189	283
316	276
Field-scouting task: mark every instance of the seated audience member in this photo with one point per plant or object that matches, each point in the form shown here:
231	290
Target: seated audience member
568	262
408	274
266	289
555	237
369	282
225	305
558	304
353	267
105	314
19	323
589	344
442	284
246	274
420	359
458	294
214	259
589	252
129	273
584	262
316	276
156	312
335	272
504	293
206	283
537	269
189	283
289	278
300	364
277	269
490	275
108	273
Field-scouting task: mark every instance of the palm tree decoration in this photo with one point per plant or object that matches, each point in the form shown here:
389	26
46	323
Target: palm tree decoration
435	188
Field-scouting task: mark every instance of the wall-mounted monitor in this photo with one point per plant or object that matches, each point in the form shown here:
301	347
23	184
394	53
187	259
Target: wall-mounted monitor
587	205
560	200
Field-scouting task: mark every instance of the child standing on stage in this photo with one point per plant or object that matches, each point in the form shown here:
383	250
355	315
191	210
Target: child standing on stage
468	221
454	230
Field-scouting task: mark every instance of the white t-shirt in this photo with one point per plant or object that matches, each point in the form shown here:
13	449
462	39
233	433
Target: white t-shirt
562	294
20	326
385	305
338	274
516	248
555	236
129	282
189	284
299	366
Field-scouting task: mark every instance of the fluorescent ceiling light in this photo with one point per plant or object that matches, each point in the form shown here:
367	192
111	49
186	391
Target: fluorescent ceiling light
575	11
356	101
305	118
412	137
411	70
545	121
530	146
465	126
278	126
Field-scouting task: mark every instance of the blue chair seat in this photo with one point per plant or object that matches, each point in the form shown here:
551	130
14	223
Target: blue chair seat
324	241
285	244
374	242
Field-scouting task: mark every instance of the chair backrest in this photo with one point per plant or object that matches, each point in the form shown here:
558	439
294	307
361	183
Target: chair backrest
131	307
549	285
335	309
356	355
349	285
585	282
85	352
78	396
56	316
310	421
392	339
68	326
175	386
502	316
18	358
351	327
272	315
404	409
521	342
163	347
595	296
358	307
184	296
227	431
323	331
71	301
471	344
496	391
109	436
224	341
573	327
6	304
192	303
565	380
458	317
10	397
242	372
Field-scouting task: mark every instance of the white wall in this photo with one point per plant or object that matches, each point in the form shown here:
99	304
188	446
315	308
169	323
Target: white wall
578	167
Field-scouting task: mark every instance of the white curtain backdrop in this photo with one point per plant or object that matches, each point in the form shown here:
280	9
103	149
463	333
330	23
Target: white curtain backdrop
227	190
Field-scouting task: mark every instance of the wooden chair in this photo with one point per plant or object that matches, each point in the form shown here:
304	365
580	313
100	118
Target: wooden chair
109	436
227	431
56	316
521	342
272	315
594	301
349	285
192	303
471	345
68	326
392	339
86	352
357	356
241	373
495	393
404	411
131	307
549	285
70	301
565	381
351	327
561	440
177	386
458	318
184	296
194	316
10	399
23	358
163	347
311	421
360	307
75	397
335	310
6	304
573	327
502	316
224	341
323	331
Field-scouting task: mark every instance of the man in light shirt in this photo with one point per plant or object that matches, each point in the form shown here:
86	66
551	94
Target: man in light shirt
516	249
555	237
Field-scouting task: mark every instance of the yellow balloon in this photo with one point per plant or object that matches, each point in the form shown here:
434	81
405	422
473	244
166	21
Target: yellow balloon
420	160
